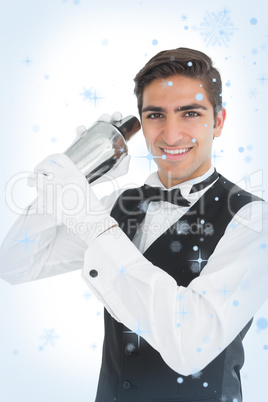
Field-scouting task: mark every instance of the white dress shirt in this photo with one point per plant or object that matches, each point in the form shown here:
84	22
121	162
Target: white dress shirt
188	326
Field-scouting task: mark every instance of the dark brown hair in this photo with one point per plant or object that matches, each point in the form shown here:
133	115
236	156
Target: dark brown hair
183	61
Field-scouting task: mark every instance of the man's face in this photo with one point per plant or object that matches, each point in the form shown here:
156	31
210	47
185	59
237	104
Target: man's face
179	126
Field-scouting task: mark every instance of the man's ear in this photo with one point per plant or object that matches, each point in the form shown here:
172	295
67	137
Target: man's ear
220	119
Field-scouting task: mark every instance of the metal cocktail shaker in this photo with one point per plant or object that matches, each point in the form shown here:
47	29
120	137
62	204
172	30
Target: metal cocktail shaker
102	146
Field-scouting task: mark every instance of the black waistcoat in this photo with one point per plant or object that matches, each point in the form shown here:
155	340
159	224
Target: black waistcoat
132	371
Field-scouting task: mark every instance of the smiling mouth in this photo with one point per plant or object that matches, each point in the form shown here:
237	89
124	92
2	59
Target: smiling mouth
176	151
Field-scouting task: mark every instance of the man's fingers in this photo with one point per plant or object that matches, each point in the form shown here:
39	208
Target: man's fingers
105	117
80	130
116	116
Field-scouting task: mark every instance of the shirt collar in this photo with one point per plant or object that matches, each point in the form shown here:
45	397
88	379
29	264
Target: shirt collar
185	187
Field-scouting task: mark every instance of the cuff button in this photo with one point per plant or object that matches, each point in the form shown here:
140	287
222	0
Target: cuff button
93	273
126	385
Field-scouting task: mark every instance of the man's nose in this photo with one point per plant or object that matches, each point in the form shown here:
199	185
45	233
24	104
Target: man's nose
172	131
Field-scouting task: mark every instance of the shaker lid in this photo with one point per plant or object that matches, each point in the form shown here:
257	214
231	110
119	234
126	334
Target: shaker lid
128	126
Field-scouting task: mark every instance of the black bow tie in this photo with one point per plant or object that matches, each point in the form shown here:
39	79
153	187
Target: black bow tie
174	196
131	207
150	194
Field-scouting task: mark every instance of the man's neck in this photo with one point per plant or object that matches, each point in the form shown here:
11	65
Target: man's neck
172	183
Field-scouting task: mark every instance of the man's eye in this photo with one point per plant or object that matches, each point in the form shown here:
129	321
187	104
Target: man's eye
191	114
154	116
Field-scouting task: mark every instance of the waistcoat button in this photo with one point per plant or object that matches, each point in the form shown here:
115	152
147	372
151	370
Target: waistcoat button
126	385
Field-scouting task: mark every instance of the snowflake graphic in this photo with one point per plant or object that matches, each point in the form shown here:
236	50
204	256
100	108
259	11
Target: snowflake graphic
166	83
49	338
209	231
184	17
252	93
183	228
216	28
223	398
195	267
130	348
176	246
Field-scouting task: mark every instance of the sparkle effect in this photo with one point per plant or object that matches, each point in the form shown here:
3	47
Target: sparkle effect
138	331
198	262
26	240
122	271
262	79
27	61
183	313
150	157
216	28
215	156
91	95
224	290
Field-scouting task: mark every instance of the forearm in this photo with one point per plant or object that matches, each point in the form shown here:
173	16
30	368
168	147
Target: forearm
36	248
199	321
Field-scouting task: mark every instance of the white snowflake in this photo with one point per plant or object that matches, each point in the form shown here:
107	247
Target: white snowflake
195	267
183	227
209	230
252	93
88	93
216	28
176	246
223	398
130	348
49	338
184	17
164	83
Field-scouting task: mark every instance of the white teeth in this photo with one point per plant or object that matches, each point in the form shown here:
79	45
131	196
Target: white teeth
176	151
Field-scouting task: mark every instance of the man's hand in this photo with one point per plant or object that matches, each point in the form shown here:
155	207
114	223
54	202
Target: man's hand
122	168
65	193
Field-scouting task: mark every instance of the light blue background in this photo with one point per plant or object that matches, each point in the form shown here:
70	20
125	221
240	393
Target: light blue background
74	48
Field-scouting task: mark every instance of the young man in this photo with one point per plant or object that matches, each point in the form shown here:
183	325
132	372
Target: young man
180	272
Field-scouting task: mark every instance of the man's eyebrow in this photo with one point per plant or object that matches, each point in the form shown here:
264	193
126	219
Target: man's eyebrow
158	109
191	106
152	108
